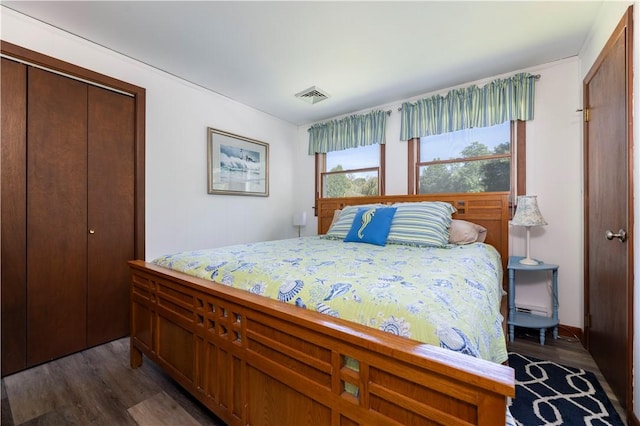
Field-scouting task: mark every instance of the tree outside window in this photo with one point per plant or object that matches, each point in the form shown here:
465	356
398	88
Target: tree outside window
352	172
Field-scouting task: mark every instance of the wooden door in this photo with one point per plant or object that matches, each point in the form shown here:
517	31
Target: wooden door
110	213
72	154
609	207
56	216
13	109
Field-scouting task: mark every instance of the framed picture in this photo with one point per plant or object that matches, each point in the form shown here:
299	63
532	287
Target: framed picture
237	165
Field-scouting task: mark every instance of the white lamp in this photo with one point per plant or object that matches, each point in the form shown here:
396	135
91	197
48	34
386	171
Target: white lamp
300	220
528	215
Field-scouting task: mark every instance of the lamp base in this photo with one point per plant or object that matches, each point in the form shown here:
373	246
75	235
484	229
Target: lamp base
529	261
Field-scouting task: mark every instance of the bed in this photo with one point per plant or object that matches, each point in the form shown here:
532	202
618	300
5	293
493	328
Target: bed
257	360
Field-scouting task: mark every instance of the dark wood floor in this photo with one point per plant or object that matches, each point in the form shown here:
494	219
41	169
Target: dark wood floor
97	387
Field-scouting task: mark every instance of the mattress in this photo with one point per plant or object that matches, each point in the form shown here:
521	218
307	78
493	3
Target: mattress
449	297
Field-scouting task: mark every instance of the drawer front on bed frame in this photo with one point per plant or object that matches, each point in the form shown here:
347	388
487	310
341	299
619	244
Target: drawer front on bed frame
259	365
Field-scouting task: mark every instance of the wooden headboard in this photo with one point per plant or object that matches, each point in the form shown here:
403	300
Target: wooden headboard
489	209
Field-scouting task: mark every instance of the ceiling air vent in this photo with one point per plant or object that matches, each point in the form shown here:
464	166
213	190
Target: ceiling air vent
312	95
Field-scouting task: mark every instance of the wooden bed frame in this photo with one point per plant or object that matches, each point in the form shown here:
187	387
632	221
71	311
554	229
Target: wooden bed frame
257	361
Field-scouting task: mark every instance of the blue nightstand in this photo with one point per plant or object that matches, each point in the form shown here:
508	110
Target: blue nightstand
524	319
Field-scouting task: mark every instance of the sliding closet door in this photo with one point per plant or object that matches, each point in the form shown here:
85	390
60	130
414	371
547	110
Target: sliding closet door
56	216
110	213
13	110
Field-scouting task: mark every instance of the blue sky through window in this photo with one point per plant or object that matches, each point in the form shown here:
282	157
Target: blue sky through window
354	158
450	145
444	146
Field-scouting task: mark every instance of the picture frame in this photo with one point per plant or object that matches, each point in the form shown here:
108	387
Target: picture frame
236	165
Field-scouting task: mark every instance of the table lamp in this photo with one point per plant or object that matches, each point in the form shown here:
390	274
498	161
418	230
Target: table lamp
300	220
528	215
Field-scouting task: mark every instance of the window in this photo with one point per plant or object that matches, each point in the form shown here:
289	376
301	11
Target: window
351	172
470	160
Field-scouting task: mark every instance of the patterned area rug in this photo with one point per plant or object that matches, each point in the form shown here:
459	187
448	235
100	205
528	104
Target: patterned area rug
552	394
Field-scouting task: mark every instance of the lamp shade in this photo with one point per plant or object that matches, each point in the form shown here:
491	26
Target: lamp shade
300	219
527	212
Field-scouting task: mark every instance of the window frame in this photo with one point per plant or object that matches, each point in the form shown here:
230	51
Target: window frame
321	165
518	160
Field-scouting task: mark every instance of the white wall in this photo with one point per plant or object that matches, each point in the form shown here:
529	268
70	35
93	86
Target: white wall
180	215
554	171
554	174
608	18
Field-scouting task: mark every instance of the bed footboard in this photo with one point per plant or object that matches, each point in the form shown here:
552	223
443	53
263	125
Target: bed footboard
256	361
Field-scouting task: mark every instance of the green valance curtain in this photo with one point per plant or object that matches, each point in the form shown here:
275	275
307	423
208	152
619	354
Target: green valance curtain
348	132
498	101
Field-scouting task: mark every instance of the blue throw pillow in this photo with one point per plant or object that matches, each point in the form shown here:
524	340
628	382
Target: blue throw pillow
341	226
371	225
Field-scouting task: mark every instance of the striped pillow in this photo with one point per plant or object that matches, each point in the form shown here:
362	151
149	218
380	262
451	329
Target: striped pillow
342	225
424	224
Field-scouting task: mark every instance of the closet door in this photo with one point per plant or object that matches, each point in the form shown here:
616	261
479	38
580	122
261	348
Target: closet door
13	109
110	213
56	216
72	197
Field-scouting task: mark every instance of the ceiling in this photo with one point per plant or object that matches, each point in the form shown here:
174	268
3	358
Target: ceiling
362	54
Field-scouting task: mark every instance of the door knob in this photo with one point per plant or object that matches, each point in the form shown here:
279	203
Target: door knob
91	231
621	235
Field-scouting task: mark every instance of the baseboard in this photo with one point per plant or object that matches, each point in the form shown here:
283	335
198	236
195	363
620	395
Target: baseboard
569	331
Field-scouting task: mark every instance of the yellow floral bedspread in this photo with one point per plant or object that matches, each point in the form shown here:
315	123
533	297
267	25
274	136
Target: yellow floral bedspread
449	297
